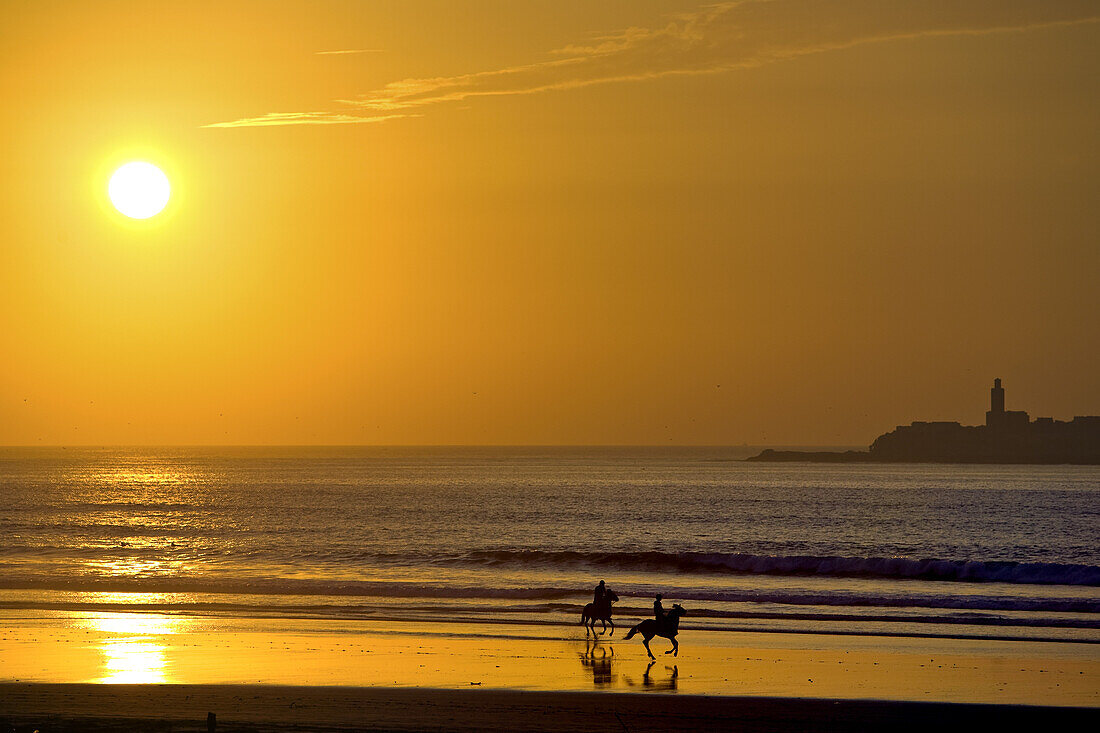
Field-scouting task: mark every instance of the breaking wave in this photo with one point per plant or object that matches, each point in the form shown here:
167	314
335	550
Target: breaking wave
970	571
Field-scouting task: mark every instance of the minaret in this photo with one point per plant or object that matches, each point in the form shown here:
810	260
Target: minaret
996	403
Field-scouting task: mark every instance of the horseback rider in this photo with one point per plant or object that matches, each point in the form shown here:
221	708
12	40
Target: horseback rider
599	609
599	597
658	611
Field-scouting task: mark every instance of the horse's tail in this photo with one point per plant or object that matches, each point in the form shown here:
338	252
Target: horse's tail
584	616
633	631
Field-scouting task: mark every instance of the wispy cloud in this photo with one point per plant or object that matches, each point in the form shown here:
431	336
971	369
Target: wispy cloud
713	39
307	118
348	51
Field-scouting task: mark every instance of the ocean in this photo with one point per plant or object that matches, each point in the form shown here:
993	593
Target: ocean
522	535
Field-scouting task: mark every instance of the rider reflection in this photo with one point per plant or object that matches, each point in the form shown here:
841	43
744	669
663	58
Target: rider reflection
598	664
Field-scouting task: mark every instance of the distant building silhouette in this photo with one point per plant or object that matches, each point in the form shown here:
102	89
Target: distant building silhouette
996	416
1008	436
996	399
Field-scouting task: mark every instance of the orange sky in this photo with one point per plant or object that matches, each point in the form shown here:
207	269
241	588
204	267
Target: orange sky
546	222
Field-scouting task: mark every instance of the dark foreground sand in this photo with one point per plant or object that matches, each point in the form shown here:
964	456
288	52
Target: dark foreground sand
179	708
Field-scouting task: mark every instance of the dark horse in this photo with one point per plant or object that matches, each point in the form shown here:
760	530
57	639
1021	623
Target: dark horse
591	614
668	629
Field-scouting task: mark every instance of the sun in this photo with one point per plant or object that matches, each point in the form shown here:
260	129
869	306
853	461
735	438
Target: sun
139	190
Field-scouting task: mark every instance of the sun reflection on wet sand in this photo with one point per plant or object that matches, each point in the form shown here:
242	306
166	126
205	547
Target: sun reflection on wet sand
127	661
134	646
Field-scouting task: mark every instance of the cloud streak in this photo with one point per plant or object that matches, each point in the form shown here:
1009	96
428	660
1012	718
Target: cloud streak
714	39
307	118
348	51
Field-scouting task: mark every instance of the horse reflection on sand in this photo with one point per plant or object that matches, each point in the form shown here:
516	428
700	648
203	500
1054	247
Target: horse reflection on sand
597	659
600	661
657	685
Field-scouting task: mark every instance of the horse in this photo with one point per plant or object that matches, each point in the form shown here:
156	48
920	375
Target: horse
590	615
668	629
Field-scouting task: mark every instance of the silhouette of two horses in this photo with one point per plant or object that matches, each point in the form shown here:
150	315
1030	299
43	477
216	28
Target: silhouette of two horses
593	613
668	629
648	628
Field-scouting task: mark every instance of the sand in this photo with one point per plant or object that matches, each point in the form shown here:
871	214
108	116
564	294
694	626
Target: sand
260	707
135	671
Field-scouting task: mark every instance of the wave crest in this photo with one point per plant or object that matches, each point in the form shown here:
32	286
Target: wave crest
969	571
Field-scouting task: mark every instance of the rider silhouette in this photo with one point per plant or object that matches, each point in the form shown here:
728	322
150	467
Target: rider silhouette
658	611
599	597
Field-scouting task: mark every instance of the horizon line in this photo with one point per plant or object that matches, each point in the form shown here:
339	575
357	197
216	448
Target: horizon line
427	445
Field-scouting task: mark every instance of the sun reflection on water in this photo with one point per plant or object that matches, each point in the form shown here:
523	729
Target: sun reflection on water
138	478
135	568
137	517
145	482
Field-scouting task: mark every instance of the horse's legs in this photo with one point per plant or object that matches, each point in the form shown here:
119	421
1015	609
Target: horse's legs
612	622
645	640
675	650
604	626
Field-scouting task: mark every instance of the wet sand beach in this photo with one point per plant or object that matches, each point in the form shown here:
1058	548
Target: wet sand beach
138	648
72	671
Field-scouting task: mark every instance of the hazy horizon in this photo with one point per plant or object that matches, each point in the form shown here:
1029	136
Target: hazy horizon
518	446
546	223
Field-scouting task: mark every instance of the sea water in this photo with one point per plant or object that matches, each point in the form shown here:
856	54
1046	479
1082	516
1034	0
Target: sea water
522	535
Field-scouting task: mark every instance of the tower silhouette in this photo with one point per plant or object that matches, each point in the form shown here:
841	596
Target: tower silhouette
996	398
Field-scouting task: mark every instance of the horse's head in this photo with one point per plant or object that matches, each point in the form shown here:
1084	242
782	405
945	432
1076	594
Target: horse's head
678	610
612	596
